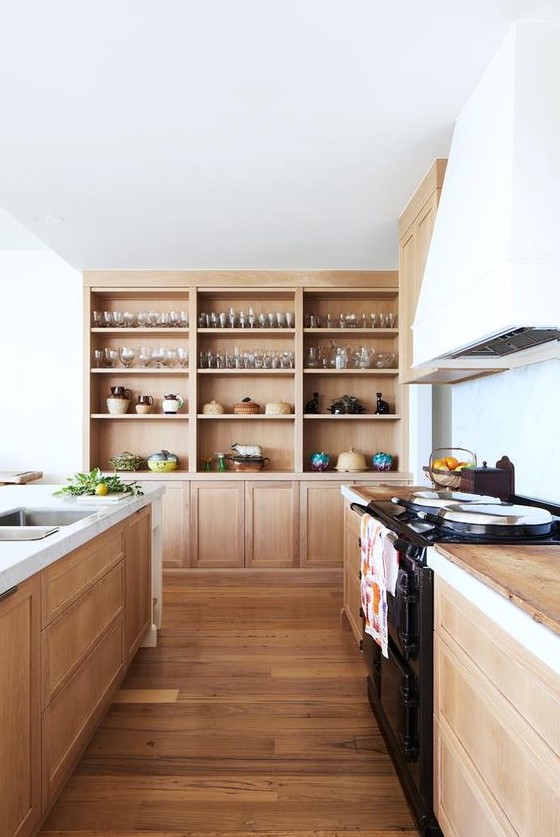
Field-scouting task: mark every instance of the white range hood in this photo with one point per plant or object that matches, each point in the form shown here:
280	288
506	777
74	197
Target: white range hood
491	285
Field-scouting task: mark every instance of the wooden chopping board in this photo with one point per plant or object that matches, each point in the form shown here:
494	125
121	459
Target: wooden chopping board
19	478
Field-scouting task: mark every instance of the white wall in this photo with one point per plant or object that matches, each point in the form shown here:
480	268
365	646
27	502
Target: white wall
516	413
40	364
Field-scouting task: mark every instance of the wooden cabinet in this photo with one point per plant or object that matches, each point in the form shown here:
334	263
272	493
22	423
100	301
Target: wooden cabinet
271	521
217	524
138	580
416	225
20	689
269	336
352	571
82	644
497	740
321	524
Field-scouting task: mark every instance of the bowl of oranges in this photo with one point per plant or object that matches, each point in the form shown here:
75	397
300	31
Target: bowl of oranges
446	464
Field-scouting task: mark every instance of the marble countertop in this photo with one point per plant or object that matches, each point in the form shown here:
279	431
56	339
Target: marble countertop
525	578
21	559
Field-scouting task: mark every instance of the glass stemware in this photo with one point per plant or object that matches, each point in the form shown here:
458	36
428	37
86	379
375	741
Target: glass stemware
127	356
145	357
183	356
158	357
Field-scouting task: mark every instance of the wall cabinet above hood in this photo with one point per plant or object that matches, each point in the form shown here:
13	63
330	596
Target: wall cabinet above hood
490	295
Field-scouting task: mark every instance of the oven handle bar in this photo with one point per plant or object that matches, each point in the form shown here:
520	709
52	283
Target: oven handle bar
398	543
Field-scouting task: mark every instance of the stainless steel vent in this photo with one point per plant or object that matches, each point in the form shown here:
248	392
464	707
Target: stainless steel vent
508	342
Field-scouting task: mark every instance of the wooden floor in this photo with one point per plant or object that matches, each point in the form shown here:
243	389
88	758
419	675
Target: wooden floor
249	717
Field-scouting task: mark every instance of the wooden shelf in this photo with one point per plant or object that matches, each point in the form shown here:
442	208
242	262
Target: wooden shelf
140	370
274	372
237	416
372	373
351	417
137	417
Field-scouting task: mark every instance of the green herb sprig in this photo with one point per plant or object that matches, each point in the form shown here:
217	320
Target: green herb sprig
88	483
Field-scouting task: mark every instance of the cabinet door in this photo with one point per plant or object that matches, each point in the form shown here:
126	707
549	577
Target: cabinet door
70	719
217	524
20	717
175	523
322	526
352	561
138	579
271	515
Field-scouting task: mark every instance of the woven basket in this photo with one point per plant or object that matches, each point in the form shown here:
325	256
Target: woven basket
246	408
447	479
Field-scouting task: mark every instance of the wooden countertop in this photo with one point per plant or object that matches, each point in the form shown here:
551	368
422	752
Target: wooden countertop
529	576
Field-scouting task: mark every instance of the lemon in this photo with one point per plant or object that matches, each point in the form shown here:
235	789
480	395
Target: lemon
102	489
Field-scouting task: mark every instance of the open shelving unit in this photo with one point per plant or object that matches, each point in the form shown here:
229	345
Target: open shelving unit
258	348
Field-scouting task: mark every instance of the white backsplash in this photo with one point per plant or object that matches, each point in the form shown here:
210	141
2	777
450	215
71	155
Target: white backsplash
516	413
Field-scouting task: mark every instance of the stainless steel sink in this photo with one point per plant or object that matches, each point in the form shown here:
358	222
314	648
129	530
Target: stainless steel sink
26	533
27	517
26	524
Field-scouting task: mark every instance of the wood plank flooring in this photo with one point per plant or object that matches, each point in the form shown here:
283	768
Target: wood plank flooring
249	717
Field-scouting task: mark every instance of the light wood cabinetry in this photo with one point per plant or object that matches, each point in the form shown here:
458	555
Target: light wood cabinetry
416	225
82	649
321	519
269	336
352	570
217	524
20	761
138	580
497	740
272	524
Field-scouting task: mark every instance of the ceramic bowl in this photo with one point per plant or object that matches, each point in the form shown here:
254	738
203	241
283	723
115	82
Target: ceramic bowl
162	466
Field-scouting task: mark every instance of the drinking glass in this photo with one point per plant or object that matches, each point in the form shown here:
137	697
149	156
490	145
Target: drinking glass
129	319
158	357
98	357
98	319
183	356
110	357
108	321
145	357
184	319
289	319
170	358
118	319
127	356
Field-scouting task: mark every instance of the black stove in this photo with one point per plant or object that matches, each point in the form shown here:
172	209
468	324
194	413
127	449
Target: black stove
400	686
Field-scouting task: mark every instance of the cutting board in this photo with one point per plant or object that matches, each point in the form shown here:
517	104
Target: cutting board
19	477
108	499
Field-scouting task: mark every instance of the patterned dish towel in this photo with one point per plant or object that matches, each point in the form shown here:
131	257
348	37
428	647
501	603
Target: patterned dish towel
380	567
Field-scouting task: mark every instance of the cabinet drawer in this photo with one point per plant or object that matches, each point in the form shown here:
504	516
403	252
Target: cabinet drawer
503	753
523	681
464	805
65	580
70	718
70	638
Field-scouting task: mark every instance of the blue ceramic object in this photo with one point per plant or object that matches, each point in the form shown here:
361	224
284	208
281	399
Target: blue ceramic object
320	461
382	461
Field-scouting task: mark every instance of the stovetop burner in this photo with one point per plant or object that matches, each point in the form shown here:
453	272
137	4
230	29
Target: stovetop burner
428	528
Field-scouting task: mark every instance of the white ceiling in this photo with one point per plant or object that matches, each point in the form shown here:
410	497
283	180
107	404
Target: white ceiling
231	133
